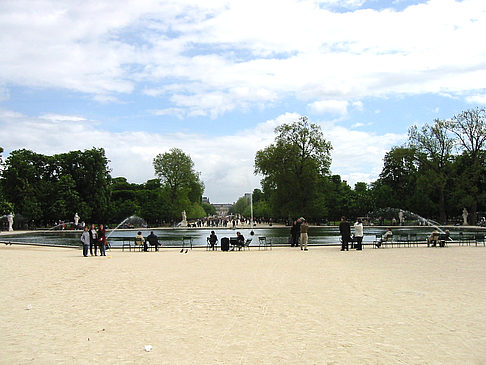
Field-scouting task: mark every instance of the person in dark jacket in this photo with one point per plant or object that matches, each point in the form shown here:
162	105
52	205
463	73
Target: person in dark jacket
102	240
240	240
153	240
213	239
345	231
295	232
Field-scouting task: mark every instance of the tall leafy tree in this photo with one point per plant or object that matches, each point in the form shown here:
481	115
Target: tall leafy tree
396	186
175	170
292	167
45	189
469	127
434	147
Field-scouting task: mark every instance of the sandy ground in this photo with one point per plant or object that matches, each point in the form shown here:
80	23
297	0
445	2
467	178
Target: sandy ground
285	306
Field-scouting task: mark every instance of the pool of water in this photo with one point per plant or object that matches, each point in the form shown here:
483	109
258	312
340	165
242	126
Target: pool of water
173	237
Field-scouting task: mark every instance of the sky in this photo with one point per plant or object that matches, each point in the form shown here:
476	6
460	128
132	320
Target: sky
215	77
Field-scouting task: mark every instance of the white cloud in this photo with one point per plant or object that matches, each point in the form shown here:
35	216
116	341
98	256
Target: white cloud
215	56
62	118
329	106
226	162
357	155
476	99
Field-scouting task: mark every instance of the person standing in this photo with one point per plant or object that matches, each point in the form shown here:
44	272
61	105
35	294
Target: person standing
294	233
358	234
86	241
102	240
345	230
304	238
93	237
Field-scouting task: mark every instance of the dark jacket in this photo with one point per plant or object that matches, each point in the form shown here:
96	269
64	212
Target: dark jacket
152	239
345	229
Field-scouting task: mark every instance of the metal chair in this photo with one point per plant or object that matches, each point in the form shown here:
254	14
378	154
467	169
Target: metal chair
187	239
209	246
479	238
247	243
262	242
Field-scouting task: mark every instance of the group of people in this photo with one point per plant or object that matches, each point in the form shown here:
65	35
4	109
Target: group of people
213	239
151	240
345	230
299	232
92	239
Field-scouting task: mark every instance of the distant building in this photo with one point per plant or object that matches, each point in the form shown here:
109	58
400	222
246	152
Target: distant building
222	210
205	199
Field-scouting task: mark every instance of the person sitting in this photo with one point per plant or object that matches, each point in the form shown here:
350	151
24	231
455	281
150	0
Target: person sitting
153	240
433	238
387	236
139	240
240	240
213	239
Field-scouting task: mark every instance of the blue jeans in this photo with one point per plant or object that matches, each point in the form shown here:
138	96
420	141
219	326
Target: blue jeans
102	249
85	250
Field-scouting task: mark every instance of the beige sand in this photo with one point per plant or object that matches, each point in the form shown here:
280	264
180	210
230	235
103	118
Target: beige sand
285	306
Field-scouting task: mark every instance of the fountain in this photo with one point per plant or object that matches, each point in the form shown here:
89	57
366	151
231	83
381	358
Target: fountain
133	221
60	225
403	214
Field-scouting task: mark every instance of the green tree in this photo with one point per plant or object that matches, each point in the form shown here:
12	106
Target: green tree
399	174
48	188
469	127
209	209
434	153
292	168
175	170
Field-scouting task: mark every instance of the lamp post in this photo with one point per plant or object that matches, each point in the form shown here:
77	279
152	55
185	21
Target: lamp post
251	213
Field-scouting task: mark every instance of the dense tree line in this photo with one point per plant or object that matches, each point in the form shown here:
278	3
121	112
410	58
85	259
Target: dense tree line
43	190
439	171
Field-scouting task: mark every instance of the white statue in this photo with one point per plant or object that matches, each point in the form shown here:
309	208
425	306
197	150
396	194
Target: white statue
465	214
76	219
400	217
183	223
10	218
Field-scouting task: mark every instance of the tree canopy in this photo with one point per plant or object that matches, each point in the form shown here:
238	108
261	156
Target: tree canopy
293	167
181	182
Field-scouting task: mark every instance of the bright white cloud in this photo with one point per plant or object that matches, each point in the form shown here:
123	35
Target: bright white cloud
329	106
226	166
477	99
216	56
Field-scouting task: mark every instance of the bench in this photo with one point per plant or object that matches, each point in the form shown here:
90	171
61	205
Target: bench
135	244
